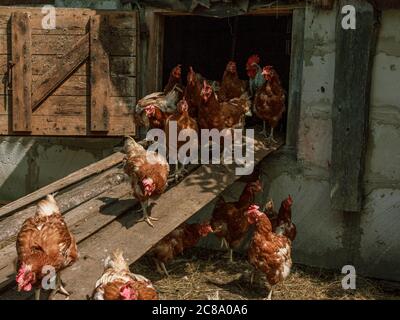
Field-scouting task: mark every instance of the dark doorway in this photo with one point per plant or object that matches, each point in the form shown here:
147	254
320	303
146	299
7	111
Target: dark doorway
208	44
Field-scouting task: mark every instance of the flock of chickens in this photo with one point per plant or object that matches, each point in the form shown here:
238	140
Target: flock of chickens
205	104
45	241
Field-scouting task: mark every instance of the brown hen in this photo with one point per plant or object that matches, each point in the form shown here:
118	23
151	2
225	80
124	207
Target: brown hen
229	219
268	252
184	237
44	243
148	171
269	102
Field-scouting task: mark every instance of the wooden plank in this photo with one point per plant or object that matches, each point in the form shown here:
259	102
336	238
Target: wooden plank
296	79
61	71
72	19
76	105
74	125
99	74
77	86
21	72
350	110
74	177
67	200
59	44
119	65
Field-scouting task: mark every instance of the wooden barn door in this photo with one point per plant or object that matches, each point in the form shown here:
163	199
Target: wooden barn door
77	79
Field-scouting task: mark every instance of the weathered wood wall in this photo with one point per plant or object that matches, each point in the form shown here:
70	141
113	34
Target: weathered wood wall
66	110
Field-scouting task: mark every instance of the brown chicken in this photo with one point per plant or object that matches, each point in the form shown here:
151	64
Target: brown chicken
192	93
175	80
183	121
269	102
118	283
184	237
153	110
213	114
148	171
231	85
229	220
282	221
44	241
268	252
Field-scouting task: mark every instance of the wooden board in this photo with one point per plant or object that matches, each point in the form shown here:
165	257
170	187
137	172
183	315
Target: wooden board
74	177
350	110
59	72
296	78
99	73
21	72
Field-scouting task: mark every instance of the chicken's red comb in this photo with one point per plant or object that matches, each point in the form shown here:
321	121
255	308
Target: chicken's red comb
253	59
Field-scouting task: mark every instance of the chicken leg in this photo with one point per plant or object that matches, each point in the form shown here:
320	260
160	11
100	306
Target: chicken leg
146	218
164	269
230	255
264	130
271	136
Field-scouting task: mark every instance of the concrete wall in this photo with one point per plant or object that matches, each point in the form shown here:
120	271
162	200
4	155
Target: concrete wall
369	240
27	164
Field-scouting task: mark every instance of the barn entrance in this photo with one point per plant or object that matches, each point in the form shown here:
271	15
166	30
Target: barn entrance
208	43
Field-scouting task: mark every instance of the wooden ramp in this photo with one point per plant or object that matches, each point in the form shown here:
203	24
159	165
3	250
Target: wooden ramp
100	211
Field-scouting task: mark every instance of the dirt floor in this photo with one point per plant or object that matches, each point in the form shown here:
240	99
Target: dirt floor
205	274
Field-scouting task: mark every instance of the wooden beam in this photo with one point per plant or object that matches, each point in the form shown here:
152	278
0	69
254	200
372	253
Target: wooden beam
296	78
99	73
74	177
61	71
355	50
68	199
21	72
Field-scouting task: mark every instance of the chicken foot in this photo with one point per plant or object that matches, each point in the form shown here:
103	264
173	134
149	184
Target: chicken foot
270	138
59	288
146	218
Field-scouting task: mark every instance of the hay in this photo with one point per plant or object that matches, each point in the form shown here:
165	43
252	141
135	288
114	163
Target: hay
205	274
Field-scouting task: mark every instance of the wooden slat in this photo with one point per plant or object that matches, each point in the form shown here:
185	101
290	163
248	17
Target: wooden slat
76	105
71	20
59	44
119	65
73	125
99	74
77	86
79	175
67	200
21	72
350	110
61	71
